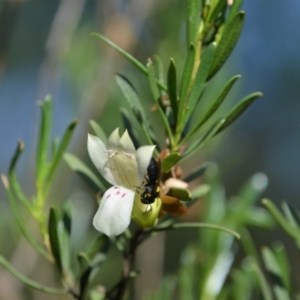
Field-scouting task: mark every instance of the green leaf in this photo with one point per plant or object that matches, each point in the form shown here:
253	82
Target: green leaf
211	132
78	166
283	263
258	217
290	229
44	138
98	131
235	7
20	221
60	151
95	294
291	214
54	238
29	282
128	56
200	80
136	106
264	286
196	173
239	109
187	274
274	272
170	161
160	68
219	7
197	225
249	245
181	194
127	120
251	191
64	233
172	88
156	95
14	183
153	82
187	76
215	104
228	41
281	293
101	244
200	191
192	20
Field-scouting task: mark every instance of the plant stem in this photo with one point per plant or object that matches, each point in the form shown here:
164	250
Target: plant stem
121	286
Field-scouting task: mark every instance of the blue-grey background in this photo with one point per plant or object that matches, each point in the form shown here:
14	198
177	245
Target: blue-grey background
45	47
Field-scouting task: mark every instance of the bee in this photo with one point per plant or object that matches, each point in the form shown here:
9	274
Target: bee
151	187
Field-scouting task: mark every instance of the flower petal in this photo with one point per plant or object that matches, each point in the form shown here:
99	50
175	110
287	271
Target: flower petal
99	157
113	140
143	157
126	143
114	213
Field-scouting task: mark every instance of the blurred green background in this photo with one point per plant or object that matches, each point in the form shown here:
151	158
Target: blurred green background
45	47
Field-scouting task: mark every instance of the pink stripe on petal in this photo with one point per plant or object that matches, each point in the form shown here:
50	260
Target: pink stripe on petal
124	194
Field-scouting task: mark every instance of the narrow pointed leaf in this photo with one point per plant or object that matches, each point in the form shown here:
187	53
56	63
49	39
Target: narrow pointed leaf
135	105
206	137
44	138
228	41
219	7
64	233
216	103
283	263
170	161
192	20
197	225
28	281
60	151
274	272
200	191
187	274
237	110
200	80
157	97
286	226
196	173
281	293
78	166
128	56
132	98
234	9
14	183
160	68
187	75
258	217
153	82
214	106
20	221
264	286
181	194
172	88
291	214
98	131
127	120
54	237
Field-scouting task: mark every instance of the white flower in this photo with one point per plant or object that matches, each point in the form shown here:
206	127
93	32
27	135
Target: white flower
123	167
